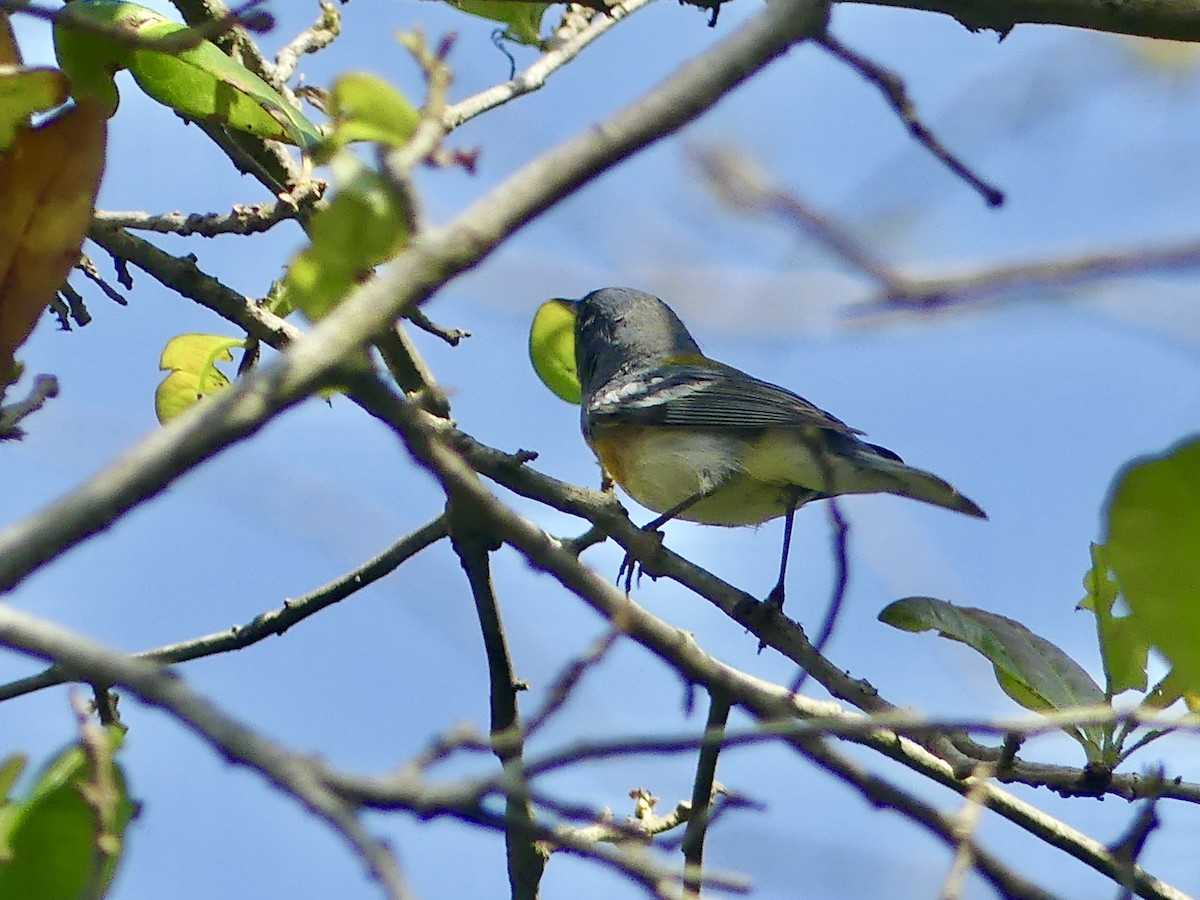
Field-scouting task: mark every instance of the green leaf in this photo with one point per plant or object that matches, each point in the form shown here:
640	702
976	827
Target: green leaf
24	91
90	60
1170	689
366	108
64	840
10	770
1153	547
1123	649
191	361
552	348
365	224
524	20
1034	672
200	82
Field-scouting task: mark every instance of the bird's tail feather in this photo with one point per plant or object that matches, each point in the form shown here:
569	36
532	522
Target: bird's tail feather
894	477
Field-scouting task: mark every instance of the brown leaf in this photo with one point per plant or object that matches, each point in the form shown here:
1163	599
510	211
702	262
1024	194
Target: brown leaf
48	179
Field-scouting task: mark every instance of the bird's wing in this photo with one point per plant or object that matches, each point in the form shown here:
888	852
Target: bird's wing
707	396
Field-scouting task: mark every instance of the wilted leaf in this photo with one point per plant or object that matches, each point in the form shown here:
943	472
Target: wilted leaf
191	360
52	838
524	20
366	108
48	182
1154	547
1029	668
366	223
201	82
552	348
1123	649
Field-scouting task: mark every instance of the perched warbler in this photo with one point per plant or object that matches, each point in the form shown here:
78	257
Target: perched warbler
692	438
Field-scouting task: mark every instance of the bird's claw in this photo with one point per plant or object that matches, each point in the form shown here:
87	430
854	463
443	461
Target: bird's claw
629	567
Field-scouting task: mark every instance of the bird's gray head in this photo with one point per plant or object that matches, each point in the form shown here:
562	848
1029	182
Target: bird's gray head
622	330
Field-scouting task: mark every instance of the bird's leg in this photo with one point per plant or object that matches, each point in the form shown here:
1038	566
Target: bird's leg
629	565
775	598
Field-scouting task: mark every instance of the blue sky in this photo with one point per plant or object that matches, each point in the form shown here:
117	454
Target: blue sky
1028	407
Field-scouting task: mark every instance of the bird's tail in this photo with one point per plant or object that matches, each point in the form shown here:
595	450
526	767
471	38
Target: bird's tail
894	477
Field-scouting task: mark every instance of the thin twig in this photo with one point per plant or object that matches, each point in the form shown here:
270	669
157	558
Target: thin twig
243	219
839	530
965	824
317	37
703	787
566	47
43	388
564	685
264	625
121	33
473	544
737	182
1173	20
92	274
765	701
295	775
892	87
936	292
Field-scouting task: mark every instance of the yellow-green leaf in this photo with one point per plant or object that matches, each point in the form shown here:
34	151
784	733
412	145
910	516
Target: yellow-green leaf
1153	547
552	348
366	223
191	361
1122	647
10	770
58	845
524	20
200	82
1034	672
366	108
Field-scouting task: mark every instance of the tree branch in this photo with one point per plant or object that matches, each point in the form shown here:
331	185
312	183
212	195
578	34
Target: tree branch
473	544
1177	20
293	774
766	702
565	47
267	624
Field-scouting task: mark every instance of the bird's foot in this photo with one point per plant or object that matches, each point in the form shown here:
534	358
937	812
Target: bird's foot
775	598
631	567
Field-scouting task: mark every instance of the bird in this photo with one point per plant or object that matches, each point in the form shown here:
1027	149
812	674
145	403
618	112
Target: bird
692	438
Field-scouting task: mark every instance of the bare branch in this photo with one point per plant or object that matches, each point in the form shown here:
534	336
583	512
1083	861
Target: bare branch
935	292
243	219
765	701
702	794
318	37
892	87
431	258
1177	20
737	182
473	544
291	773
267	624
566	45
43	388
